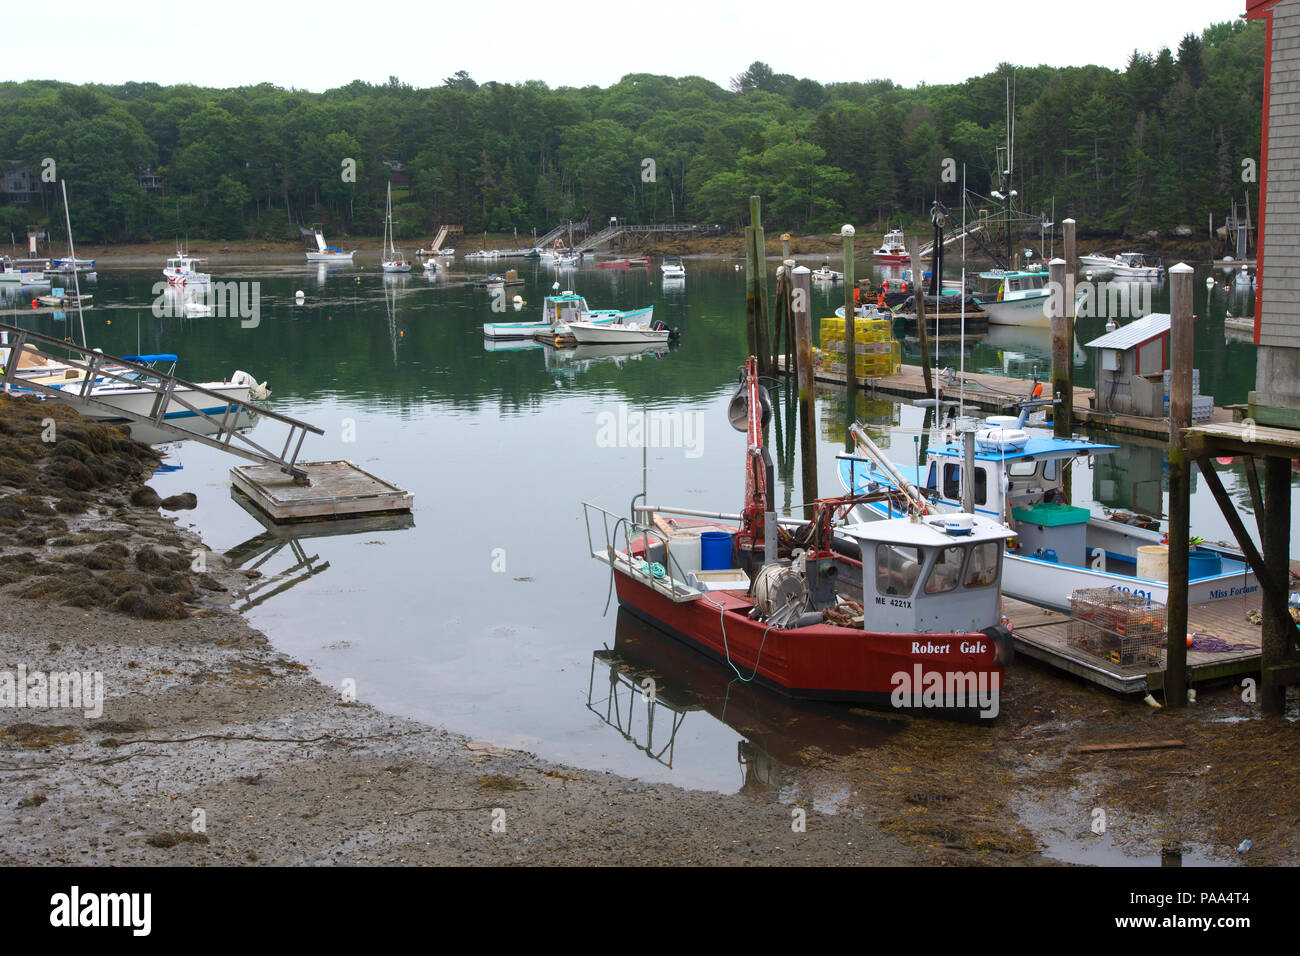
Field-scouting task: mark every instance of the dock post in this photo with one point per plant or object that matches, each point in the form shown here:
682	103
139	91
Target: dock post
914	251
850	338
1071	284
801	301
1062	353
1277	631
1180	478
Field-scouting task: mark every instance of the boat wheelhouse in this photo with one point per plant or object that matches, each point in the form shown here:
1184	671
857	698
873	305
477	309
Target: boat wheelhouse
181	270
1012	297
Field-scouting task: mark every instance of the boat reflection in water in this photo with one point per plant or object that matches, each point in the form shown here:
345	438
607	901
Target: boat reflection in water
647	686
258	552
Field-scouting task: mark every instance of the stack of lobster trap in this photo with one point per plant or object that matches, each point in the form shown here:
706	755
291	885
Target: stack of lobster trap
1118	627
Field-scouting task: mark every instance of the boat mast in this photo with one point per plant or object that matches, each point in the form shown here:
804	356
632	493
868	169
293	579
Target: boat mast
72	253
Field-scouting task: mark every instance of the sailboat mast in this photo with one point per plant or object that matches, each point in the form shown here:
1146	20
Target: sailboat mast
72	254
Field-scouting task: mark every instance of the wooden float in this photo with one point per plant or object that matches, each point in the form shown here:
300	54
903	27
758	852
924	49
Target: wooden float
335	489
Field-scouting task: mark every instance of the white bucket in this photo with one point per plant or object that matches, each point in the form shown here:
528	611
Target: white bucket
684	547
1153	562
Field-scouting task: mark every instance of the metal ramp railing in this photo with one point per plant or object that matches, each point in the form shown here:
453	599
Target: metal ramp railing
611	232
670	585
172	395
561	230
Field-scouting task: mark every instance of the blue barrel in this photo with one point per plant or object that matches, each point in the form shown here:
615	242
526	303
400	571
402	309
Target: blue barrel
715	551
1203	564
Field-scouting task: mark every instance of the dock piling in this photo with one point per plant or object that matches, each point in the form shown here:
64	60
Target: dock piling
1180	487
801	302
914	251
850	337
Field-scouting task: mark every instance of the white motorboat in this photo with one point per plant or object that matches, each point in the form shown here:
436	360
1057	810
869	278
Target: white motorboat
634	326
15	273
893	249
1014	298
1135	265
826	274
1018	478
558	312
123	393
672	268
325	252
180	270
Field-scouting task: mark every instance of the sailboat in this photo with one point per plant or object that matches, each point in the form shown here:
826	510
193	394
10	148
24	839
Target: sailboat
394	261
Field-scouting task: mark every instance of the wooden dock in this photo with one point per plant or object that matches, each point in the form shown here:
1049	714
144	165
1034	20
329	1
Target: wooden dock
998	393
1041	634
336	489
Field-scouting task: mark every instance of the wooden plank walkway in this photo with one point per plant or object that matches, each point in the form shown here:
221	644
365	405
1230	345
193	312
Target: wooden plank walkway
998	393
337	489
1041	634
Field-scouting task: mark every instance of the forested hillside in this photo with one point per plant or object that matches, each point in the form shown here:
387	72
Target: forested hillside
1156	144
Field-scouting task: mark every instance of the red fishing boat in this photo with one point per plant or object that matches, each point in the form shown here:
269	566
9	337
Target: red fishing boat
903	612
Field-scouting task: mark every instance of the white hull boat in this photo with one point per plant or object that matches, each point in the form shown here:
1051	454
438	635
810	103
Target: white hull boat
1059	549
627	330
672	268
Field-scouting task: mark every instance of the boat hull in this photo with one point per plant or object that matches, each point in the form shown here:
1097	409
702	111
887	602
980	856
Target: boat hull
1030	311
821	662
330	256
592	333
141	402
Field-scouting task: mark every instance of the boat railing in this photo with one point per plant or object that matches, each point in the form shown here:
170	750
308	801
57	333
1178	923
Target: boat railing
670	585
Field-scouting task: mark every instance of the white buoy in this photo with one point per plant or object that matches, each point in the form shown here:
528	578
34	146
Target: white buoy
299	295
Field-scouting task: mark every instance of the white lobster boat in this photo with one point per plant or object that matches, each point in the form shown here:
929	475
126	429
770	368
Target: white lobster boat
1060	549
632	327
180	270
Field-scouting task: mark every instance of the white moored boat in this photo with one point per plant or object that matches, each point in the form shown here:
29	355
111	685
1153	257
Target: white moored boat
1014	298
672	268
140	400
180	270
393	260
632	327
1060	549
324	252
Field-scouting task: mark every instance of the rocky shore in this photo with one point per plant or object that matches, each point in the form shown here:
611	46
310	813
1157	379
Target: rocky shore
214	748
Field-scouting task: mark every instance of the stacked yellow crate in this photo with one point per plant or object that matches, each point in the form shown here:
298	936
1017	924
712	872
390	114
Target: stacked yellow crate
876	352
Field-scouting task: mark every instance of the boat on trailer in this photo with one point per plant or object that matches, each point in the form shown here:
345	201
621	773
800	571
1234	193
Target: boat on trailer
1018	478
911	620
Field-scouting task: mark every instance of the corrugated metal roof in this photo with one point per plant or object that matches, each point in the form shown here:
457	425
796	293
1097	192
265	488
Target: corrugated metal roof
1133	334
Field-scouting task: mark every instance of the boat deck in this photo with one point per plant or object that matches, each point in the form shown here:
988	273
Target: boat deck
1041	634
337	489
999	392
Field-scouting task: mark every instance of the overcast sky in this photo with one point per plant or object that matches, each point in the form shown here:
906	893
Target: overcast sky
320	44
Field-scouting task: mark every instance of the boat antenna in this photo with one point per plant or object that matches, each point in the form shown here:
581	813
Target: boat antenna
72	254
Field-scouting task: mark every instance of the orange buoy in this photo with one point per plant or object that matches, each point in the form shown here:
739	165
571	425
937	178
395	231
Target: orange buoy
35	304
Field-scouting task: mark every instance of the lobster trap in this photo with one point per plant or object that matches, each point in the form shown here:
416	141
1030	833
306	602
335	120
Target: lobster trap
1118	627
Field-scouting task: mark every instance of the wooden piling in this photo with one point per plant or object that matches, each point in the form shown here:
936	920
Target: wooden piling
751	295
801	304
918	299
1277	631
850	338
1180	478
1062	354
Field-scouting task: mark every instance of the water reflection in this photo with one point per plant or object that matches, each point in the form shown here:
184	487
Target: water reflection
649	685
259	551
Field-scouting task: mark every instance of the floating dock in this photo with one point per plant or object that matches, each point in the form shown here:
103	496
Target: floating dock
1041	634
998	393
334	489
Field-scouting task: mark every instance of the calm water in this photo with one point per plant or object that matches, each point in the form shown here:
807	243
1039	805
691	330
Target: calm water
483	613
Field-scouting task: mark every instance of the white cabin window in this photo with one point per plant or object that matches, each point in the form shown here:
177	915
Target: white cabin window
897	569
946	573
1022	469
1051	469
982	569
